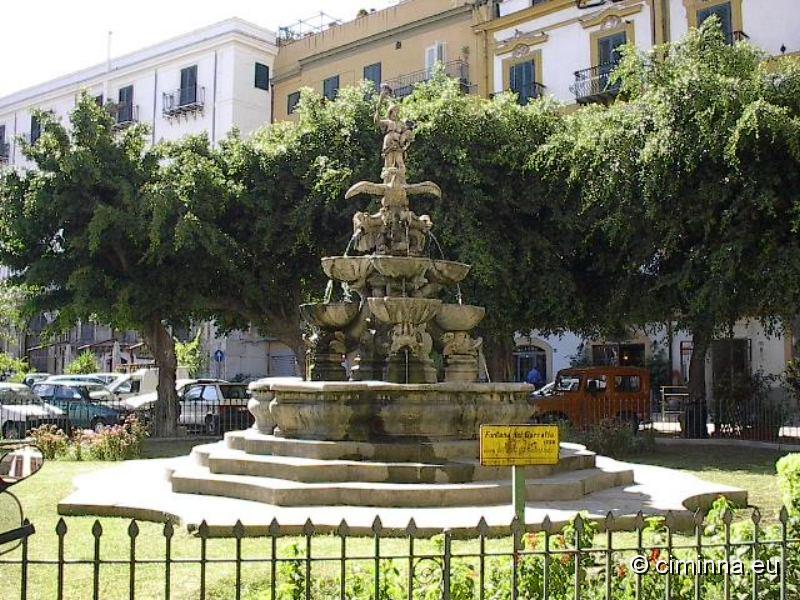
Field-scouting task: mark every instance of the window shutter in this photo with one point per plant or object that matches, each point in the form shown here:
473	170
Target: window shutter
441	52
262	76
430	57
189	85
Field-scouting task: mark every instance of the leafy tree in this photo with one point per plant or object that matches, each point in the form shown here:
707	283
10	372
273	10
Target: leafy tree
688	191
191	355
274	204
88	232
84	363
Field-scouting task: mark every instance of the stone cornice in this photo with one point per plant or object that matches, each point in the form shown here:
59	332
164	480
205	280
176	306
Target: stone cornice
521	38
619	12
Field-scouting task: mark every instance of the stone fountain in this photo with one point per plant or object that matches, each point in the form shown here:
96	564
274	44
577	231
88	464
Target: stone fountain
394	436
392	319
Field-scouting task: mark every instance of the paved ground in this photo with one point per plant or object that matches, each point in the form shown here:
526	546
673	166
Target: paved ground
141	490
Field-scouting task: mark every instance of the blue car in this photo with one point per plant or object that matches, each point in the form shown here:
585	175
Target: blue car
81	409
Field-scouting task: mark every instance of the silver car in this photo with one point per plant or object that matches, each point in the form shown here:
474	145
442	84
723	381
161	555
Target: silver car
21	410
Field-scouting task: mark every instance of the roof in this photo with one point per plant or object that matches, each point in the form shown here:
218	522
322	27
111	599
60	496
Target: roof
184	42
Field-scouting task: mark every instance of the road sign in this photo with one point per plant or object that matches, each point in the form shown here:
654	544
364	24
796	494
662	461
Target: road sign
219	356
519	445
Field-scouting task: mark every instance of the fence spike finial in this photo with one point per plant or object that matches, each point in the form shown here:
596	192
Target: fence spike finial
610	521
308	527
97	529
699	517
169	528
133	529
639	521
727	517
411	528
274	528
238	529
202	530
61	527
483	527
783	516
377	526
669	520
547	524
517	528
578	523
756	516
343	530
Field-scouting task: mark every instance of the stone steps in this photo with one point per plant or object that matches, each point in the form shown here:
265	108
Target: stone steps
571	485
221	459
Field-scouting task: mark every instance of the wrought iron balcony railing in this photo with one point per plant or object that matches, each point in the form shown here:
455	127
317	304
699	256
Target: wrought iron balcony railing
739	36
528	92
404	85
595	84
183	100
126	114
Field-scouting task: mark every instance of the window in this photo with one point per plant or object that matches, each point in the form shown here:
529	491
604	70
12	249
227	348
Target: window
262	76
330	87
522	80
36	130
373	73
98	100
292	100
568	382
210	393
628	383
724	14
125	106
608	48
597	383
434	54
188	85
3	145
193	393
45	390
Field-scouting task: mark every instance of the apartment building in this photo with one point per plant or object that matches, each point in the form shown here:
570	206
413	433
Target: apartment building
210	80
397	46
557	48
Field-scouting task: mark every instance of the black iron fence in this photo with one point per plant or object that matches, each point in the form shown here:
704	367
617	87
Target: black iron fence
715	558
79	416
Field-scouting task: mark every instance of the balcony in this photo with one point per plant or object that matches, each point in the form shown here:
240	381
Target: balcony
739	36
595	85
403	86
125	114
529	91
5	153
183	101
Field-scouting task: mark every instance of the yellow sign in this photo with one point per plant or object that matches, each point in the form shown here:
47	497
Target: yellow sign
519	445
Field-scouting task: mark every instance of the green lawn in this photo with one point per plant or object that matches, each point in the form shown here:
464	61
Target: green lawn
752	469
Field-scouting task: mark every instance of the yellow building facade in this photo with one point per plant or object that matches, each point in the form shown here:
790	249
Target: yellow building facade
560	48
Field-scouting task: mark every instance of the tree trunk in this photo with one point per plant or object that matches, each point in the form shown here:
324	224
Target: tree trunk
165	412
695	420
499	352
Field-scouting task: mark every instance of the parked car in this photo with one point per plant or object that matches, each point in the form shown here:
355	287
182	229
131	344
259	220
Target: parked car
585	396
32	378
83	410
76	377
215	407
21	410
106	378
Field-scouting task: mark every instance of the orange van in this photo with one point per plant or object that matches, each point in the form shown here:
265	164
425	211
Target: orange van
586	396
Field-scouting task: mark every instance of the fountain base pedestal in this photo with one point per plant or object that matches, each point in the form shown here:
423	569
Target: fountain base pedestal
327	367
411	369
461	368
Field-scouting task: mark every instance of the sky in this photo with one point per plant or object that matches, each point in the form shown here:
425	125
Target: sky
44	39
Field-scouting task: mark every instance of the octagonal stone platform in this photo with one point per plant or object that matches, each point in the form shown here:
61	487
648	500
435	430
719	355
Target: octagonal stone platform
255	478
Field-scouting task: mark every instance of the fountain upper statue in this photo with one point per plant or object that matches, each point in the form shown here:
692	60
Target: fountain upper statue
395	229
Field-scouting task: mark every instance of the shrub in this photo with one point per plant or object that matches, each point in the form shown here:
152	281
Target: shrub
611	437
789	480
83	365
50	440
119	442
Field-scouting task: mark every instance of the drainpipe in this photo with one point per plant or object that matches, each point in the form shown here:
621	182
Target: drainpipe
214	104
155	105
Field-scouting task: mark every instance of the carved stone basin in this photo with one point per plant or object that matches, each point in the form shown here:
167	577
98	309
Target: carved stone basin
349	269
459	317
415	311
447	272
401	267
333	315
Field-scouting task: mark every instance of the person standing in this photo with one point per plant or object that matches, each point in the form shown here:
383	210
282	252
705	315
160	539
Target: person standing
534	377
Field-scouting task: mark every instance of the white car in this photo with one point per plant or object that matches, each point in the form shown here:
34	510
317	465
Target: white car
81	378
21	410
